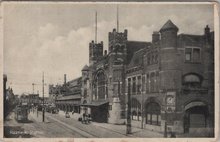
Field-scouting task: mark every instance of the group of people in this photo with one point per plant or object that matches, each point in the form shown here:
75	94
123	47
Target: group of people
86	118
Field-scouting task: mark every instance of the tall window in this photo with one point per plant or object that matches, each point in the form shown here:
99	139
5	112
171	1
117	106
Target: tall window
139	85
152	82
196	55
101	85
85	93
192	54
188	54
147	83
156	58
134	85
129	85
148	60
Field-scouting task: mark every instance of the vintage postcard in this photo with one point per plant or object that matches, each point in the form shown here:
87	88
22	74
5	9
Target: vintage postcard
75	71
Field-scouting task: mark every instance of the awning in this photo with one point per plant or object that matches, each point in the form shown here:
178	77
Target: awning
191	78
95	103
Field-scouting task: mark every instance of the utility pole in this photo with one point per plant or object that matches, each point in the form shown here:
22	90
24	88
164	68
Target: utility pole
43	109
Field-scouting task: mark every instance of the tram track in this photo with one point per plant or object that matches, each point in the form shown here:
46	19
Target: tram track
78	130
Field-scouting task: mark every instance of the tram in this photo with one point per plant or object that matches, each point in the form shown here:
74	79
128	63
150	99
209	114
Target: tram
21	113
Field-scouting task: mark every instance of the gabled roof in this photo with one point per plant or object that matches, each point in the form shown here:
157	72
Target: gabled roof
133	46
191	39
169	25
137	59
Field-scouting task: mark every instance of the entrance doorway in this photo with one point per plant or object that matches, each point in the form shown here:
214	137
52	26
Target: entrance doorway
195	118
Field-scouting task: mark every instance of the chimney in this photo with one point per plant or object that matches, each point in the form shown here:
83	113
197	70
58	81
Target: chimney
155	37
207	34
207	30
64	78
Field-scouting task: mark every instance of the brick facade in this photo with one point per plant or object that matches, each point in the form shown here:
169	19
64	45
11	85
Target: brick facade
173	75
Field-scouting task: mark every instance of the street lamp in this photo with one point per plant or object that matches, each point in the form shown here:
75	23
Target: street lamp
128	125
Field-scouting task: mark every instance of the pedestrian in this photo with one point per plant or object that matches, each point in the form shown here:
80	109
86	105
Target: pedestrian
83	120
86	118
89	118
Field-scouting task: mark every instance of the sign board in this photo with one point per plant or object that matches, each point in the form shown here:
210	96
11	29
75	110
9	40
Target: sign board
170	101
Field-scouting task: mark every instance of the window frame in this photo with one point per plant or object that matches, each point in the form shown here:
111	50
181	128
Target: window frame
192	48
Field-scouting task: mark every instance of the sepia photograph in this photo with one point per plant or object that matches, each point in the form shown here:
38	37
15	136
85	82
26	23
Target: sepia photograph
109	70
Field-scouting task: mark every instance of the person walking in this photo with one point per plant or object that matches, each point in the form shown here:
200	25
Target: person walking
83	120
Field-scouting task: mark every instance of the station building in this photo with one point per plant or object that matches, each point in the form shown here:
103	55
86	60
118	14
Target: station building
169	81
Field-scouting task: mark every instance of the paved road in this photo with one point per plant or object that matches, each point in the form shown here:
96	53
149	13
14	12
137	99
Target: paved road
90	129
57	126
34	128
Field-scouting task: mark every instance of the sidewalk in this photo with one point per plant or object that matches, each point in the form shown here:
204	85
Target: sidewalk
37	117
136	132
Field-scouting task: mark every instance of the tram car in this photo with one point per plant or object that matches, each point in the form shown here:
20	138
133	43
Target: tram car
21	113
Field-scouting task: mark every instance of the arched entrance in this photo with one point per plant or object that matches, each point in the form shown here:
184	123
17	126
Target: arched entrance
196	116
153	113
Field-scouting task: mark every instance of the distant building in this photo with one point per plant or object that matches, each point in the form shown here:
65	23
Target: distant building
33	99
71	95
30	99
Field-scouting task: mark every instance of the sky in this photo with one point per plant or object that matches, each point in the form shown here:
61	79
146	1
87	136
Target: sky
54	37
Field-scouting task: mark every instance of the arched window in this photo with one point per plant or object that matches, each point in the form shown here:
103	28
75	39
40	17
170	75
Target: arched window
101	82
153	116
192	80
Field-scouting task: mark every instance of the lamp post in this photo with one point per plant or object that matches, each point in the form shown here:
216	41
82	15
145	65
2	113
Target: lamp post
165	125
128	125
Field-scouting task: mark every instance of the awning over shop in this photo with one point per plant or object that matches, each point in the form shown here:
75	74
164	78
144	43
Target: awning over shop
95	103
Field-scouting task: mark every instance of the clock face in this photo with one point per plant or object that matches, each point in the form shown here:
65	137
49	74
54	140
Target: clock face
170	100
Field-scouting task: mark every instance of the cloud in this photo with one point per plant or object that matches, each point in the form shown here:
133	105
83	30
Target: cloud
47	43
